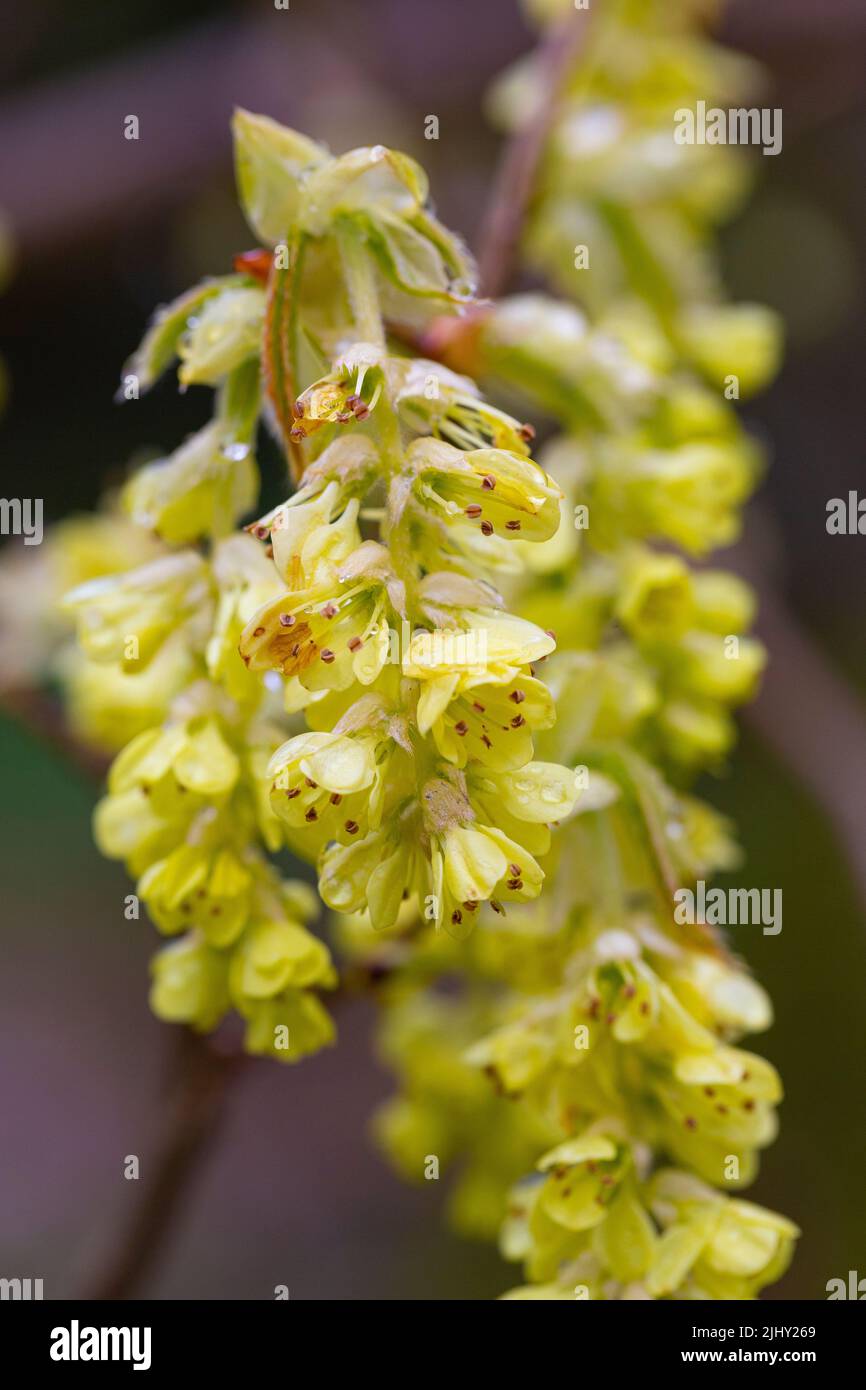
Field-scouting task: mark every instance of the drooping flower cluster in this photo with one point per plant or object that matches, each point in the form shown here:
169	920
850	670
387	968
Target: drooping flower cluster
624	210
186	809
366	599
369	676
614	1029
417	780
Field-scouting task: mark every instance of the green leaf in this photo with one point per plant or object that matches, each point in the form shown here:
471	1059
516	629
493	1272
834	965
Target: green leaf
456	255
226	333
406	258
239	402
269	161
375	180
159	346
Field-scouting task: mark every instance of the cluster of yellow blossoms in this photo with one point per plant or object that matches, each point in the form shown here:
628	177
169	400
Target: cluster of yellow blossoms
369	676
363	600
608	1033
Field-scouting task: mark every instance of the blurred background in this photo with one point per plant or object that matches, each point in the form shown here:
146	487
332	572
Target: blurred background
101	229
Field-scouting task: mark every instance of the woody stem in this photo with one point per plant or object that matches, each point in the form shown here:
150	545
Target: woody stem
518	172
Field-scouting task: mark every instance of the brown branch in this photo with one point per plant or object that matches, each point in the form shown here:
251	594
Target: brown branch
518	170
200	1080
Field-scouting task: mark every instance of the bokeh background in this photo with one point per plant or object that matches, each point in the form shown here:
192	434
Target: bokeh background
102	229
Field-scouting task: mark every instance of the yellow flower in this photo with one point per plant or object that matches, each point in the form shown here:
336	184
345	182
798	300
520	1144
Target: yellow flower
516	1054
479	863
490	724
724	603
222	335
288	1026
457	866
721	996
378	872
158	785
328	637
690	495
734	340
502	493
201	489
109	707
345	470
526	802
274	955
582	1177
246	581
190	984
655	600
715	1246
475	697
125	618
199	887
696	733
718	1103
707	668
348	393
433	400
334	781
